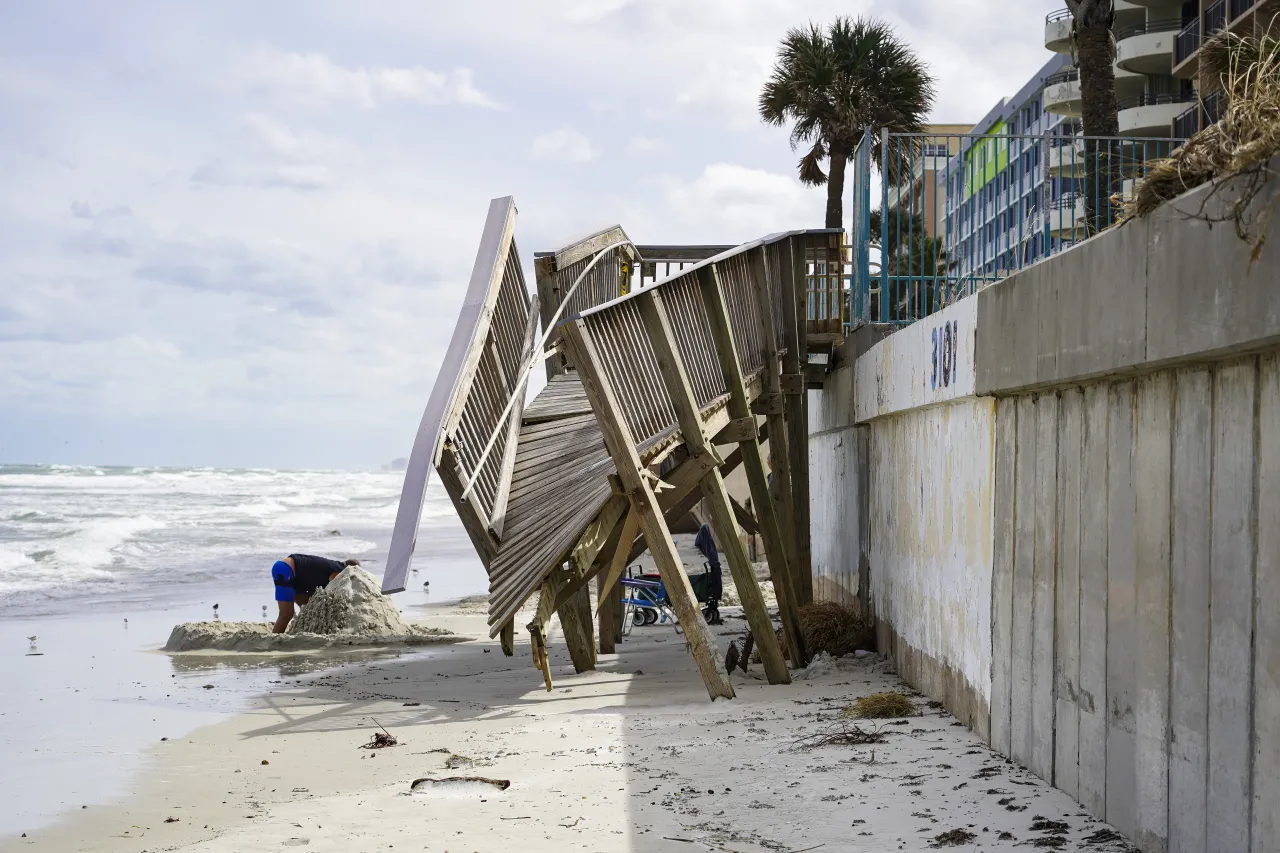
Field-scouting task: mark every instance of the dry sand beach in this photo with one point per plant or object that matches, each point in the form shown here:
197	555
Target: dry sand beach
629	757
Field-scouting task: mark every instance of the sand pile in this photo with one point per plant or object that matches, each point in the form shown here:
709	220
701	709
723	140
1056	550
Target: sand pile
351	611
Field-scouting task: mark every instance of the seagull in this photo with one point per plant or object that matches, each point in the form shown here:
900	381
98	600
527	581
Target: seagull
32	639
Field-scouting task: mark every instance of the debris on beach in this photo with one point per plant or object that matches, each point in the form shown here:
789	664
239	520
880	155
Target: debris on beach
954	838
840	734
351	611
882	706
427	784
381	740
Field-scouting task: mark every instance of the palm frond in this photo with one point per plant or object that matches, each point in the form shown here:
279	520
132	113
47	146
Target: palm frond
810	172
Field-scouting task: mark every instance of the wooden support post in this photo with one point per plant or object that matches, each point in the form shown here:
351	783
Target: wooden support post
622	448
508	638
604	615
676	379
575	621
618	563
776	551
549	295
797	417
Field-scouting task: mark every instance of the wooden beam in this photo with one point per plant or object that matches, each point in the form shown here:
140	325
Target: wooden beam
746	520
776	552
796	297
508	463
618	563
674	375
544	272
575	622
622	448
739	429
604	614
675	504
508	638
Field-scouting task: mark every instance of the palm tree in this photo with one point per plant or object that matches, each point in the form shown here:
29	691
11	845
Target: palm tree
1095	54
836	83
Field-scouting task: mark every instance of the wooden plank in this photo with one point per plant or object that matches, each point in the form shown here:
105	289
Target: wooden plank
1066	764
1043	586
1189	640
1122	786
771	526
1266	647
797	424
506	467
1231	562
676	378
1093	604
1024	553
1002	574
621	445
1152	474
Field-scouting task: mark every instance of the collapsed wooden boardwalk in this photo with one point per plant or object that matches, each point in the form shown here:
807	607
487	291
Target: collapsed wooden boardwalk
650	369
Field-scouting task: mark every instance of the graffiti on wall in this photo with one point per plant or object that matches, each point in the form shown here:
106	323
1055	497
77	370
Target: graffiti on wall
946	345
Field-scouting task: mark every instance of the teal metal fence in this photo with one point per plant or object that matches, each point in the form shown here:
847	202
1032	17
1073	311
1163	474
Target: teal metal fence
957	212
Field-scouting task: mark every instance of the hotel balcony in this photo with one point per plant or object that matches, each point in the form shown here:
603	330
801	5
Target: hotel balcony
1147	48
1217	16
1057	31
1151	115
1062	93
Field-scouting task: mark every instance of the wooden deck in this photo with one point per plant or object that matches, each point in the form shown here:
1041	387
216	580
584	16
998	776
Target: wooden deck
641	373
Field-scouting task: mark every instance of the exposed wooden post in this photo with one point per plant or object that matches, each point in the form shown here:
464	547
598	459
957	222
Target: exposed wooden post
575	621
618	563
508	638
604	615
676	379
544	273
771	531
794	324
622	448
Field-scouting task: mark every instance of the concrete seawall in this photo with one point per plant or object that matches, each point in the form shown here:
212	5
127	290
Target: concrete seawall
1060	498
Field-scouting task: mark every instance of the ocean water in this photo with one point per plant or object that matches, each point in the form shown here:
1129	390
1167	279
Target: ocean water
98	565
119	537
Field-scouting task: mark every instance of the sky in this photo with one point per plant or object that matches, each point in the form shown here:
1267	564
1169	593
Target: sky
237	234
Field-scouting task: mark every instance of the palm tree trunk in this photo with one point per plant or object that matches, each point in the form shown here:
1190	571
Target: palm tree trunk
1099	113
835	185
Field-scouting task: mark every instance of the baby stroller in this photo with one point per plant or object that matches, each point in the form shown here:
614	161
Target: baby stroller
646	603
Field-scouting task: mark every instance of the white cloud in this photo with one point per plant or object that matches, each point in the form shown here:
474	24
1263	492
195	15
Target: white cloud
728	202
564	144
314	78
645	145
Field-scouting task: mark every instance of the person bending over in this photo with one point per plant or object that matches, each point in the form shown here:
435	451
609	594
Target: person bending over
297	577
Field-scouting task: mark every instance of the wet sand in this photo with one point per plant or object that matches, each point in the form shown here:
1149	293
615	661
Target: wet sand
630	757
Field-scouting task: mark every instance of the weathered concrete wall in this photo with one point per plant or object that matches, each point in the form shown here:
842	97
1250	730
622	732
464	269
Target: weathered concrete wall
930	549
1076	538
902	505
1167	289
1136	655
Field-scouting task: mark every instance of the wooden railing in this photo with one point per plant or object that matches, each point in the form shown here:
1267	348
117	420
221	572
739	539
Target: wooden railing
480	373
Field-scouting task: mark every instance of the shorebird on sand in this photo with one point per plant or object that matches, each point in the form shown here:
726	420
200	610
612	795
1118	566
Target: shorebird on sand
32	639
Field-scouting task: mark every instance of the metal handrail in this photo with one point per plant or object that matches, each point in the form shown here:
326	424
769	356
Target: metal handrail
1068	76
1149	27
1060	15
1149	99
